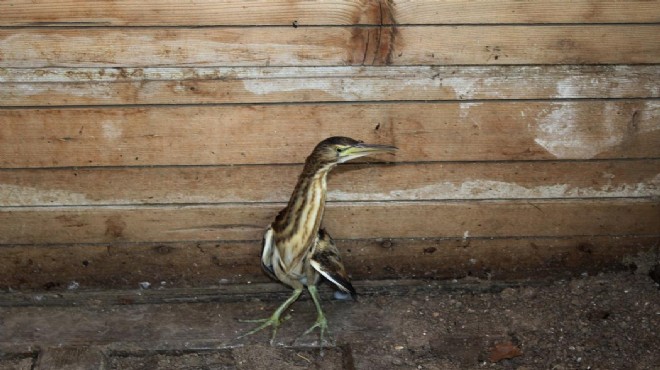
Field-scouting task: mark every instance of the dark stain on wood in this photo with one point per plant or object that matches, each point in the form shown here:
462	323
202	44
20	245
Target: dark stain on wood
634	122
567	44
163	249
348	362
586	248
114	227
51	285
654	273
387	32
71	221
373	45
216	261
430	250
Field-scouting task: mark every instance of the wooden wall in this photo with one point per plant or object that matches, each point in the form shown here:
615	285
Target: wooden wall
154	140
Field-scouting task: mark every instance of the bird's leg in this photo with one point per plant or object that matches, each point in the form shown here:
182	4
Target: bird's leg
321	321
274	320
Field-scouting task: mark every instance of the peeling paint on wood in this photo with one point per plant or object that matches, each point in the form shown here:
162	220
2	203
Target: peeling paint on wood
95	86
485	189
577	75
13	195
247	184
560	133
353	182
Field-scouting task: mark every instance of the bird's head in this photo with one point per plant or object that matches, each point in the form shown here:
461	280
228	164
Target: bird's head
340	149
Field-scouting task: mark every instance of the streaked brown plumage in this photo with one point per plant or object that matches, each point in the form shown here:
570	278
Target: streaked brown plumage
296	251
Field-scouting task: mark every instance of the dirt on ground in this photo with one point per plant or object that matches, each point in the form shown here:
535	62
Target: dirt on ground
608	321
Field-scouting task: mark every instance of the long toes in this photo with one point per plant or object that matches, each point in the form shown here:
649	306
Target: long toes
265	323
251	320
324	332
325	337
311	329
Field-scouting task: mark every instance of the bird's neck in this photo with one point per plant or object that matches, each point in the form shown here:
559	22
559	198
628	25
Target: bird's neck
302	216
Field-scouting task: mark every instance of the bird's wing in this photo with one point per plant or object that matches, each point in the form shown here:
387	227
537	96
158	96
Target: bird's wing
327	262
267	249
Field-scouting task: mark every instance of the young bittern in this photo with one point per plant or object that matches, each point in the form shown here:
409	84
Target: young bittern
296	251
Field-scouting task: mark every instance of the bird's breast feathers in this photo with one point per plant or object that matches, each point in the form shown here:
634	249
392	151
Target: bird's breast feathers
277	259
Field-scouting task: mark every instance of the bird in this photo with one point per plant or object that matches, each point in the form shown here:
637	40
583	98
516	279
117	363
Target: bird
296	251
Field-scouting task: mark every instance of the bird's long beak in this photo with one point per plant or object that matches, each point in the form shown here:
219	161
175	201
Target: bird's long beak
362	149
372	148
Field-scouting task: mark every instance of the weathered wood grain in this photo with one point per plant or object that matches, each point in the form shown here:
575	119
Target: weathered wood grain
31	225
286	133
327	46
176	47
178	265
18	361
117	86
162	334
279	12
405	181
536	11
71	358
527	45
196	220
240	293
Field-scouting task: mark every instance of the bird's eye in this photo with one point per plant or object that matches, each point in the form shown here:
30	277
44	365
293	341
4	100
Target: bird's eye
339	149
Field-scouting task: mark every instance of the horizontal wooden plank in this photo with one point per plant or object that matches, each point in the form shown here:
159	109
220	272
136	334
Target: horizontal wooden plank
70	357
240	293
173	265
177	47
405	181
287	133
280	12
535	11
18	361
258	46
526	45
150	330
111	86
344	220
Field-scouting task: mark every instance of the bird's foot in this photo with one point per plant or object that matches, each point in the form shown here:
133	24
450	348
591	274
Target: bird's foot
273	321
322	324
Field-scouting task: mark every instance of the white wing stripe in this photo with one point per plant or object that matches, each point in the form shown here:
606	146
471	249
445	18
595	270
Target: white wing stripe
317	267
267	251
